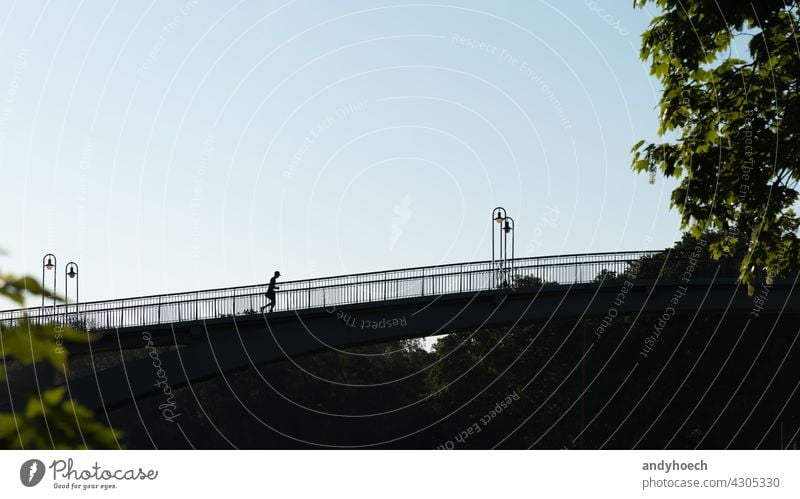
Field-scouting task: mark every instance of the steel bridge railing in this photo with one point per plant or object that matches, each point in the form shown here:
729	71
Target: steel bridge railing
331	291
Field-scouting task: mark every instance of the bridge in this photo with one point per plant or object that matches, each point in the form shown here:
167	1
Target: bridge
197	335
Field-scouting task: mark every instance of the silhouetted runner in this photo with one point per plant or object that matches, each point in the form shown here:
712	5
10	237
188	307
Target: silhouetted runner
271	292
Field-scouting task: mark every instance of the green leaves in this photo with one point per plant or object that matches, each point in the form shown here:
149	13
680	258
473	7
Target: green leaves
49	420
28	343
733	132
14	288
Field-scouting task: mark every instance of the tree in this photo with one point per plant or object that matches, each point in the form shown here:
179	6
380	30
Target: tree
731	126
48	420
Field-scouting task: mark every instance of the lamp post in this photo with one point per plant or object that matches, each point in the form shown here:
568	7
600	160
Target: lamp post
71	272
500	261
509	227
49	262
499	214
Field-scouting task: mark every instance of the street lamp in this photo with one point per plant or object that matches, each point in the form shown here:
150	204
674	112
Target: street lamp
71	272
49	262
498	215
510	228
500	262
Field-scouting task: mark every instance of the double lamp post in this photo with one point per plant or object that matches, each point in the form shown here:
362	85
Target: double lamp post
50	263
502	267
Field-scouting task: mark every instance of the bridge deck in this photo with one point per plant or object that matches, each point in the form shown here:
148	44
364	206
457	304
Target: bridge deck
332	291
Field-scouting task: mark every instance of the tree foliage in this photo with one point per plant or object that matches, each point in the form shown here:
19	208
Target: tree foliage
49	419
731	125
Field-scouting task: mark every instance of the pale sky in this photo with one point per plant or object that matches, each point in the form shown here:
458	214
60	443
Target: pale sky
171	146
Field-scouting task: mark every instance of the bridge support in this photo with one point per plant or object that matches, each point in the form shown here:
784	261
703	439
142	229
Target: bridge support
230	344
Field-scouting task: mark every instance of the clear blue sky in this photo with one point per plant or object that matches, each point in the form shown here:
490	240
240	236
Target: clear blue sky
168	146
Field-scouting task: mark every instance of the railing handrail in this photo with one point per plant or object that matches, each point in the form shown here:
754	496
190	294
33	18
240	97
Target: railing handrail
639	253
363	287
